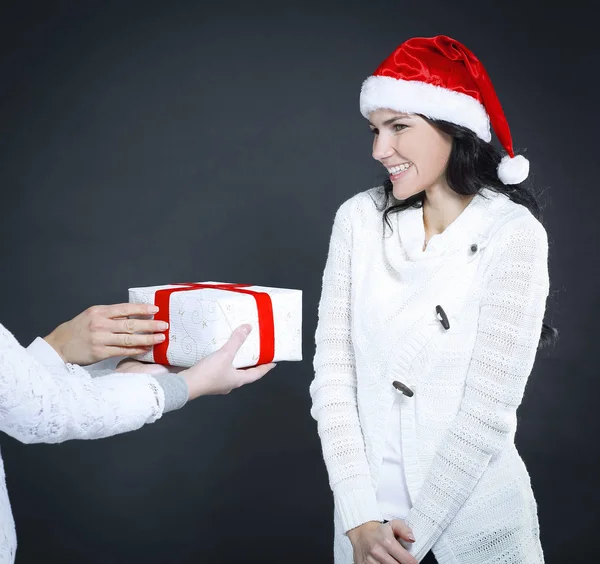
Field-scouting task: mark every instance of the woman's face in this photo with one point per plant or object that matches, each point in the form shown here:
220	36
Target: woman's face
414	152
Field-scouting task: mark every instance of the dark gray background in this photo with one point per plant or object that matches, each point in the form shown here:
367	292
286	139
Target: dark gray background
146	142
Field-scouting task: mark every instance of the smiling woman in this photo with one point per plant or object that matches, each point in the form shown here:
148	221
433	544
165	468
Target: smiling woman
427	335
414	152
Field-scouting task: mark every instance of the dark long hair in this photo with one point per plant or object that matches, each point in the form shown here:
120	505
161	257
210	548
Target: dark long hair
472	166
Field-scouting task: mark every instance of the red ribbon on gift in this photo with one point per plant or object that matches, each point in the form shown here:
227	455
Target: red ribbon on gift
266	323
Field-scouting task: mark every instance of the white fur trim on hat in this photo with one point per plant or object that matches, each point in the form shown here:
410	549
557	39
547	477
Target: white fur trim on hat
513	170
417	97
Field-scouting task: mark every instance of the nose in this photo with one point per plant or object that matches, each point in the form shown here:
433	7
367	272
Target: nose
382	148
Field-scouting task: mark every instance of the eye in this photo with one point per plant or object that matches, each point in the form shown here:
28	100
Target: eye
399	127
374	131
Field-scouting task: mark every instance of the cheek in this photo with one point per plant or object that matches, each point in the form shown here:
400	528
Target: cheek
443	146
434	155
441	159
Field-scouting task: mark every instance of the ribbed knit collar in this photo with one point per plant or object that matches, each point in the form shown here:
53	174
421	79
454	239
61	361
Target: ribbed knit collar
471	227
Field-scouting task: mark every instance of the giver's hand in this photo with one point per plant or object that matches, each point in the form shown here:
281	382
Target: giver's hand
376	543
215	373
101	332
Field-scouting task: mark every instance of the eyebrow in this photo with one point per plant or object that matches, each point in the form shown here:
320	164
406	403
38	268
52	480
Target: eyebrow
391	120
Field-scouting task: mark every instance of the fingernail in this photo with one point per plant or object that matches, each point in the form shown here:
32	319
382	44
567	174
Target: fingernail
160	337
246	328
411	538
152	309
163	326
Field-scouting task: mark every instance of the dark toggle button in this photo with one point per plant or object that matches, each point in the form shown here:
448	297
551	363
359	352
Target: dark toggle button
441	315
403	388
474	248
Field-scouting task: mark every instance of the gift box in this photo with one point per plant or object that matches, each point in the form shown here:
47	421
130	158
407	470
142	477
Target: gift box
203	315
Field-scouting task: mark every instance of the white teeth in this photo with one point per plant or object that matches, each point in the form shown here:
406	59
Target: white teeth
399	168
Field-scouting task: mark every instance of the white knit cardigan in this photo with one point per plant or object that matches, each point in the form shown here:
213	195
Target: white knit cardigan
470	492
42	405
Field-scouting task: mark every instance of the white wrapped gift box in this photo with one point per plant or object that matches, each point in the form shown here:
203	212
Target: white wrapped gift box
201	320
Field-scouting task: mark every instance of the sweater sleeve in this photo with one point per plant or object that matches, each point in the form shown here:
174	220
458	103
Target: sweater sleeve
333	390
174	386
509	328
45	354
37	405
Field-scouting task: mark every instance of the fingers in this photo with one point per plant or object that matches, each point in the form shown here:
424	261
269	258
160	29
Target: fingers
125	310
136	326
402	530
382	557
137	341
398	552
237	339
407	558
249	375
391	550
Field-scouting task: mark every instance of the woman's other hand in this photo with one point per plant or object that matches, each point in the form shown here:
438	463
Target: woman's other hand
376	543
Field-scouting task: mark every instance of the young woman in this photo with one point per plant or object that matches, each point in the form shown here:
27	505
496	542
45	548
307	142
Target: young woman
431	313
45	398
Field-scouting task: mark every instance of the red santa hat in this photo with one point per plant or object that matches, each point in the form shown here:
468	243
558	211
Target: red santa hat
440	78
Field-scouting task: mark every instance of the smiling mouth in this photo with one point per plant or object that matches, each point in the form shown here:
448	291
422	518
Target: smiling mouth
394	170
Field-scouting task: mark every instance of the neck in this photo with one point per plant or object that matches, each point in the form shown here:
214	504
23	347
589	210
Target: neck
441	206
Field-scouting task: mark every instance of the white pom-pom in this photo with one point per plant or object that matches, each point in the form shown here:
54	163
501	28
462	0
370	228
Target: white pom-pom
513	171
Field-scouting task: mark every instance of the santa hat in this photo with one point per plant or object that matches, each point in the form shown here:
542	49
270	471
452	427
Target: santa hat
440	78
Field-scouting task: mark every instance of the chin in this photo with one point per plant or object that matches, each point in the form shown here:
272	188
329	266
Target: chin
404	192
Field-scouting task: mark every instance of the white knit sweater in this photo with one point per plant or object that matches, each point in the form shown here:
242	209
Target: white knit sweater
470	492
39	404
